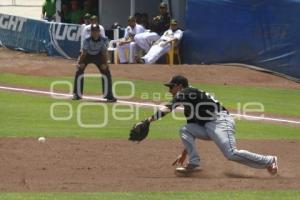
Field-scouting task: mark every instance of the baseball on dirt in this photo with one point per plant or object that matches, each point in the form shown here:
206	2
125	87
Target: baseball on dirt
42	139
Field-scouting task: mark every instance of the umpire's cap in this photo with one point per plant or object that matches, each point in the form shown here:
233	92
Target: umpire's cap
177	80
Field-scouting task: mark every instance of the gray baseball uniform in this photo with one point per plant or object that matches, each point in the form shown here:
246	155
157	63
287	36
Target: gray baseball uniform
208	120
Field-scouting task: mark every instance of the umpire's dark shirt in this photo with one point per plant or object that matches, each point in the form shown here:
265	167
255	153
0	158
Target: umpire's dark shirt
161	25
199	106
94	47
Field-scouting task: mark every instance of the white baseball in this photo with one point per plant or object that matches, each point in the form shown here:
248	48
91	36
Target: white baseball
42	139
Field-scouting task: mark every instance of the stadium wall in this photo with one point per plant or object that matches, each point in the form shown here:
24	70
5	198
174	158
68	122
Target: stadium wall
255	32
55	39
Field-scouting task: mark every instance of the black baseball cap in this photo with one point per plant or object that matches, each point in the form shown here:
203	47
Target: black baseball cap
95	27
177	80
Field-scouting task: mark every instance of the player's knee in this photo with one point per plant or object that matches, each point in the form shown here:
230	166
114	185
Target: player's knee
104	68
137	37
185	135
107	72
182	131
230	155
132	44
79	70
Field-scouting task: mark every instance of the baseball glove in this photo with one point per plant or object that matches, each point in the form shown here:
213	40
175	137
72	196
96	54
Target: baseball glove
139	131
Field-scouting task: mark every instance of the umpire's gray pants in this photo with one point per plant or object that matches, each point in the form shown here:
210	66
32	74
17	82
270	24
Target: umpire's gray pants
221	131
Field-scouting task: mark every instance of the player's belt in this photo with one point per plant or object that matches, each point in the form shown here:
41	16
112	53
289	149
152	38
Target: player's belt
224	111
220	110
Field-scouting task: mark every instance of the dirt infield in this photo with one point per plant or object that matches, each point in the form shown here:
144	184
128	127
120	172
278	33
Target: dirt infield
81	165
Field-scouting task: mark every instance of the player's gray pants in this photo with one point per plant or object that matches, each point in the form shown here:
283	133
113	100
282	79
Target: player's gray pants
221	131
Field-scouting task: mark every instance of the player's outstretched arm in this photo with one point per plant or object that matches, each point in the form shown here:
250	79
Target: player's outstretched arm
163	111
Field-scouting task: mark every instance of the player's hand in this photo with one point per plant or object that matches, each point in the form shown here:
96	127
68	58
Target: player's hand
79	66
180	160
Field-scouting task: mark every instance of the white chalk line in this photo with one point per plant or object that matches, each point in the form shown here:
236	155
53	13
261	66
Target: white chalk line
55	94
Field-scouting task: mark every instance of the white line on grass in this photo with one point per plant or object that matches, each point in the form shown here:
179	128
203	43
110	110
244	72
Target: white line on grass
248	117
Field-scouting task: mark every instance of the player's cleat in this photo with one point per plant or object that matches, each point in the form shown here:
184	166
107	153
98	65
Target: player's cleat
110	99
76	97
188	168
273	168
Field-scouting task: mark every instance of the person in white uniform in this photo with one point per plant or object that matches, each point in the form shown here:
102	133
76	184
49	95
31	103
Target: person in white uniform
158	26
86	32
128	43
87	21
163	45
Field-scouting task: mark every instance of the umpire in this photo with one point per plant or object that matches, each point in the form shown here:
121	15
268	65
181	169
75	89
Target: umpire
93	51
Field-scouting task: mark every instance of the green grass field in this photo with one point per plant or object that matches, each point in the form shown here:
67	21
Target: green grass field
277	101
248	195
32	114
27	115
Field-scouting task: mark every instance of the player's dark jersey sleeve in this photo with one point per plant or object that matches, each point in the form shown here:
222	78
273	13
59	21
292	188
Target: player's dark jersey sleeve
161	25
175	102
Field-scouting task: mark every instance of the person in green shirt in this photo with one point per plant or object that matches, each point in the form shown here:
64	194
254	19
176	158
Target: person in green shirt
89	7
49	10
75	15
